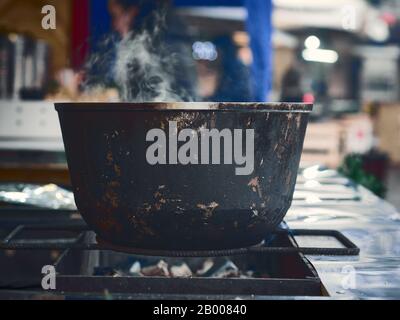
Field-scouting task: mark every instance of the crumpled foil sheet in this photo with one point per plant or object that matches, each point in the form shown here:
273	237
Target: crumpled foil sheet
48	196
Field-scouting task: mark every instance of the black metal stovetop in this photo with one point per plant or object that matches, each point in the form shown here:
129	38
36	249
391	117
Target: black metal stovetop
33	238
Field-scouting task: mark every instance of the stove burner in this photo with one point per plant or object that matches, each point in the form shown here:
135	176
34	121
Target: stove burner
280	262
349	248
176	253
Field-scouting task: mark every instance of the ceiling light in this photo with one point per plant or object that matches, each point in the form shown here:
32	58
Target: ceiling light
312	42
320	55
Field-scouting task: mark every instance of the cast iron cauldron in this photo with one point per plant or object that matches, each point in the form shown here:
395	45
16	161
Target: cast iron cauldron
142	181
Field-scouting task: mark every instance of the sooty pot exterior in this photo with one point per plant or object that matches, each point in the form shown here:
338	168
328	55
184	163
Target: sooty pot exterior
128	201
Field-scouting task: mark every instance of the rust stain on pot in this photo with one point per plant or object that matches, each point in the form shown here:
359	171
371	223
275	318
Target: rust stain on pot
109	224
254	184
280	150
146	207
208	209
109	157
141	226
160	200
105	219
117	170
288	125
298	121
288	178
114	184
157	194
249	122
112	198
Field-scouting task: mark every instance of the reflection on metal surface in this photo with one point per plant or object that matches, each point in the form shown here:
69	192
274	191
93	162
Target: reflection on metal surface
374	226
47	196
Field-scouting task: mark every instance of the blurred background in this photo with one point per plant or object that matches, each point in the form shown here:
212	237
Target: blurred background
341	55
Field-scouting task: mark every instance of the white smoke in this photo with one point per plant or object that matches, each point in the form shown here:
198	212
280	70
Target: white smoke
143	75
145	69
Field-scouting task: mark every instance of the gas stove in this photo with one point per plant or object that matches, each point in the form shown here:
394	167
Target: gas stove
303	259
87	267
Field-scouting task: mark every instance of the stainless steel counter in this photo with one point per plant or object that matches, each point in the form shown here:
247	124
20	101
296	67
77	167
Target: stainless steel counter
370	222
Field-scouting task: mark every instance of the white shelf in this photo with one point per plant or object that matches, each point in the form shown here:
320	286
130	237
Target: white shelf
29	125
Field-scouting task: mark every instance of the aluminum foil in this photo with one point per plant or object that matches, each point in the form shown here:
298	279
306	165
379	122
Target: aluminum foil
47	196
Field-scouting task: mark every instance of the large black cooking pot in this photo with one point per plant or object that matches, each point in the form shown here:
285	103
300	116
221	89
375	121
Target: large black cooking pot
134	191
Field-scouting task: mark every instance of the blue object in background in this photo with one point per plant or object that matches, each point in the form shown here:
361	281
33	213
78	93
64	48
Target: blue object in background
208	3
259	27
100	21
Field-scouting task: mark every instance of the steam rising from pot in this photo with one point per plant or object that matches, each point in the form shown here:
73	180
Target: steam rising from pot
145	67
